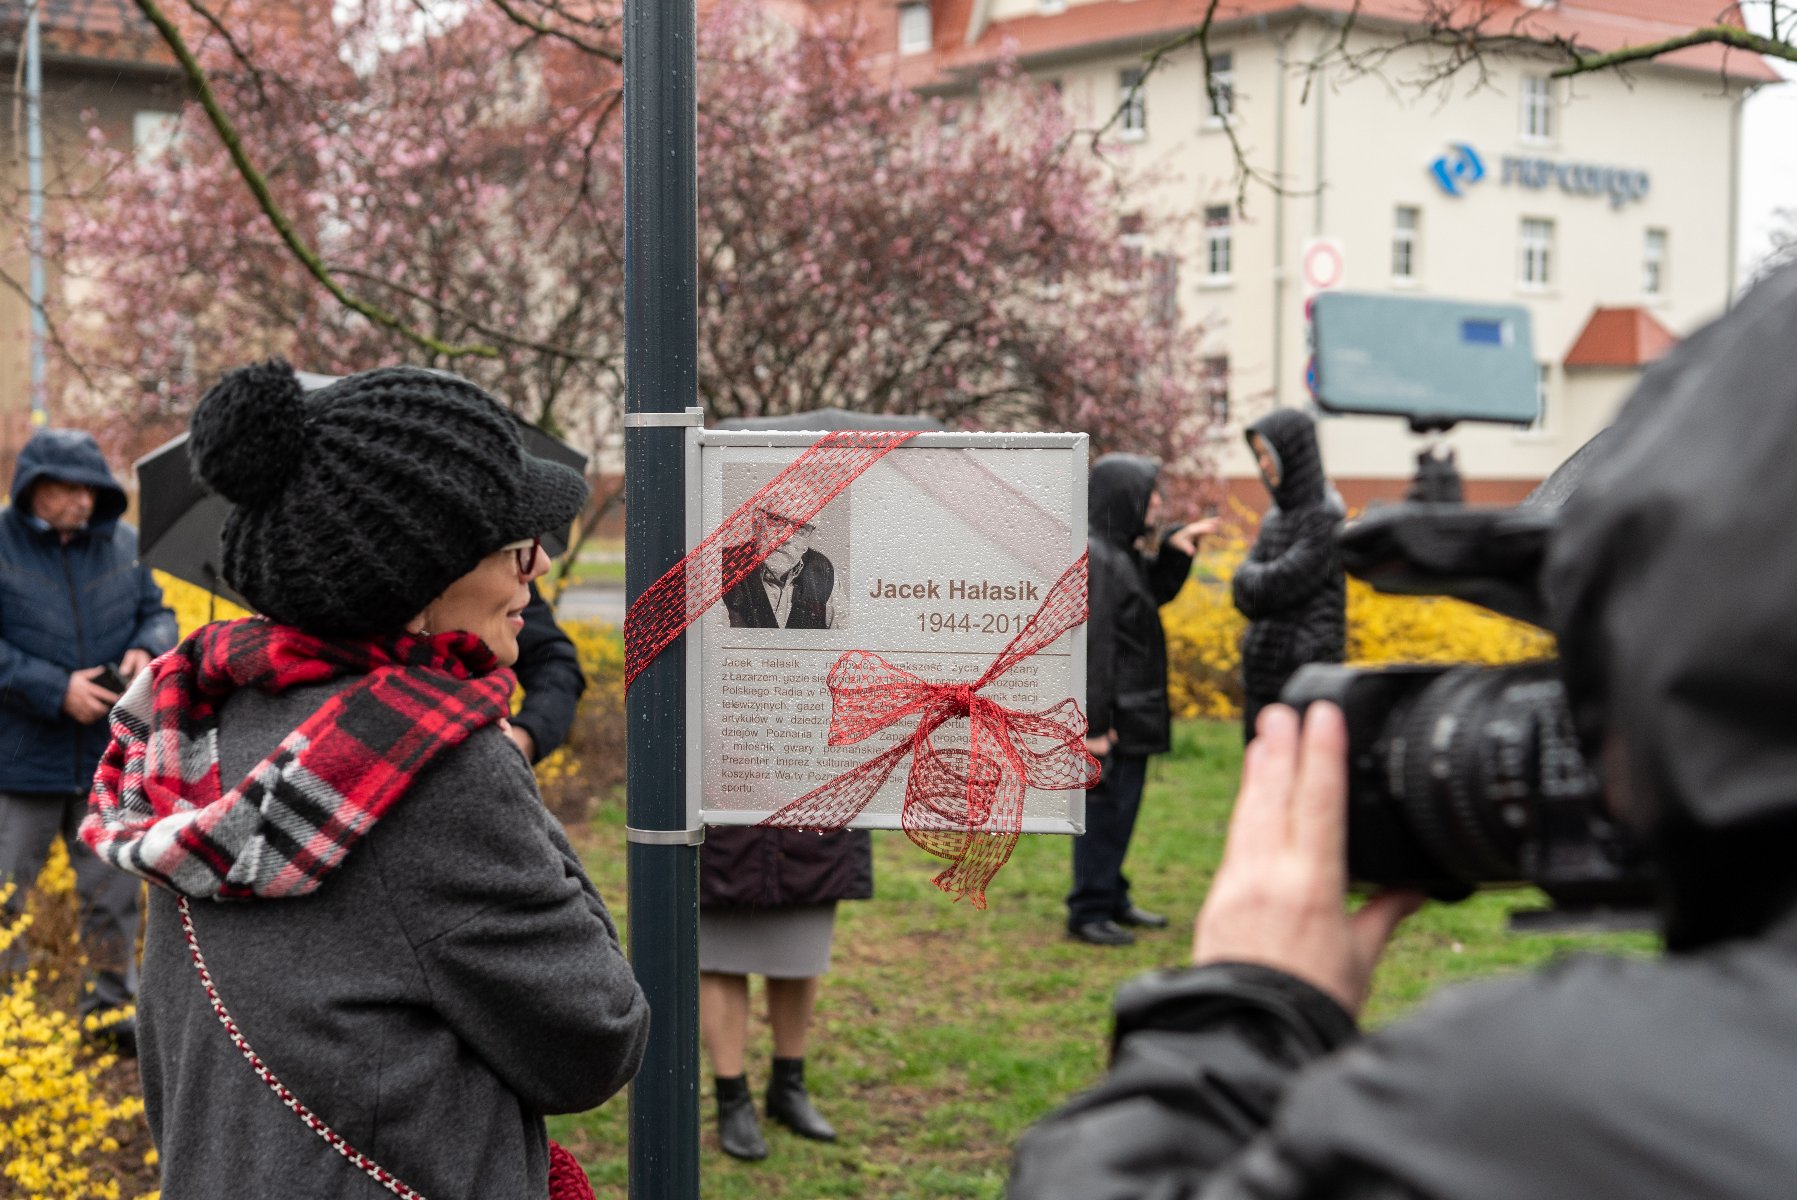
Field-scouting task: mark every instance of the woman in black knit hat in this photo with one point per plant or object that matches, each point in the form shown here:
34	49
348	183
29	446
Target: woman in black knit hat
371	955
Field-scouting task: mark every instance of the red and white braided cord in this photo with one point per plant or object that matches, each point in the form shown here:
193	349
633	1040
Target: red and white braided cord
313	1121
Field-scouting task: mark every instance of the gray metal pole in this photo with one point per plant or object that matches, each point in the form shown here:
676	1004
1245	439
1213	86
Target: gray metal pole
661	332
34	158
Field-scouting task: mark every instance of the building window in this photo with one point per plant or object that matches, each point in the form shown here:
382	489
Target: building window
154	133
1404	221
1214	381
1653	263
1543	372
1537	108
914	29
1218	250
1134	103
1536	258
1220	79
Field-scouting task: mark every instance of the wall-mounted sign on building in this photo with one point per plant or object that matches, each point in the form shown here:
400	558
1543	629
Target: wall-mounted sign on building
1620	184
1460	167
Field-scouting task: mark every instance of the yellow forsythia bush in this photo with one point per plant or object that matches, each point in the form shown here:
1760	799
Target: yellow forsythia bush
1204	634
62	1134
589	766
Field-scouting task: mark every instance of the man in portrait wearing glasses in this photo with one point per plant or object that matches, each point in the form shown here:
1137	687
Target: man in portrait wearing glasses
795	585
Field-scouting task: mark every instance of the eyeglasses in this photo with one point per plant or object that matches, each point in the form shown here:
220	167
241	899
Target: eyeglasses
797	529
524	554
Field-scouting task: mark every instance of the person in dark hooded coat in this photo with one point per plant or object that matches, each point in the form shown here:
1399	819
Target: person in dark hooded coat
73	601
1126	684
1669	583
1291	587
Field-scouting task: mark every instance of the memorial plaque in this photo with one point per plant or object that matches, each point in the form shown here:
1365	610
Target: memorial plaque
935	560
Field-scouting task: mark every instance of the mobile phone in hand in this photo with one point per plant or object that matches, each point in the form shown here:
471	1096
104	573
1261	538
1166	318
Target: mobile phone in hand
110	679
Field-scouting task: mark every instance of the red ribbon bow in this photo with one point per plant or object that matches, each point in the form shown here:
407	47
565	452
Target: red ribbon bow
962	804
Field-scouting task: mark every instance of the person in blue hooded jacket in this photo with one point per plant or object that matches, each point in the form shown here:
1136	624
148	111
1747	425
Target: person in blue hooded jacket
73	602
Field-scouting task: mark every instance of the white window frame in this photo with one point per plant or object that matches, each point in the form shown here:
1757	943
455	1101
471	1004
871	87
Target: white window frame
915	36
1132	98
1653	263
1542	425
1219	99
1535	254
1214	370
1219	244
1405	243
1540	109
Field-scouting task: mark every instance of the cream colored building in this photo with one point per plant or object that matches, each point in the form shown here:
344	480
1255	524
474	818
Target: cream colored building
1604	204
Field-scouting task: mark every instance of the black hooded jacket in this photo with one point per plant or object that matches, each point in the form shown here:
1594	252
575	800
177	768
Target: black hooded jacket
1291	587
65	606
1669	581
1126	649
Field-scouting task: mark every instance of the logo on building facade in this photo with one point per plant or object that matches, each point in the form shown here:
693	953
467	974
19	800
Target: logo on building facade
1458	169
1621	184
1461	167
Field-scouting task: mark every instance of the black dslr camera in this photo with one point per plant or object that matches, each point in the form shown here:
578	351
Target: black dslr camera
1462	777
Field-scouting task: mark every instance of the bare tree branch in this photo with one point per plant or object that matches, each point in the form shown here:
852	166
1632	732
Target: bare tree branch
543	30
24	294
253	179
479	326
237	53
1720	35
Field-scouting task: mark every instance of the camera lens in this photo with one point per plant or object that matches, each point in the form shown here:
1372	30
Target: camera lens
1485	766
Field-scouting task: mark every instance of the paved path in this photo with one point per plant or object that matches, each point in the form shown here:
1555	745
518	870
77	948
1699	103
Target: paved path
589	601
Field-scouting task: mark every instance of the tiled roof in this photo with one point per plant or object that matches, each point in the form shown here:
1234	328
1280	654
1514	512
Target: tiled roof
1620	337
1597	25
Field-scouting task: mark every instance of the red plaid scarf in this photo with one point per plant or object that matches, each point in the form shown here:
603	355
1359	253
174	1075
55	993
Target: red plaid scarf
158	808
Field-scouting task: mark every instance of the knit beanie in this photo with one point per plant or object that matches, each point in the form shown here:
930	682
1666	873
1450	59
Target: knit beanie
355	506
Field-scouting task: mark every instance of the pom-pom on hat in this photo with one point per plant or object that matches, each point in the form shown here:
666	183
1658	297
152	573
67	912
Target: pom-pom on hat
355	506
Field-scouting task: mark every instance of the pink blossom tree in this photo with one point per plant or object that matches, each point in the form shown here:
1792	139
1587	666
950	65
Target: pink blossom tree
859	246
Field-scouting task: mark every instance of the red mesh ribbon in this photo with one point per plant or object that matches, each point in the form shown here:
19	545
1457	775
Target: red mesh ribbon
962	804
965	805
695	583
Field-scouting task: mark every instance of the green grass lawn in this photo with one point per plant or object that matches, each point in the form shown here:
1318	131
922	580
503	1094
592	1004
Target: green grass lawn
943	1031
601	561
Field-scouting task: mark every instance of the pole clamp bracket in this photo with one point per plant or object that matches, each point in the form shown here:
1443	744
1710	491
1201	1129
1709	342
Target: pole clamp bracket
665	420
664	837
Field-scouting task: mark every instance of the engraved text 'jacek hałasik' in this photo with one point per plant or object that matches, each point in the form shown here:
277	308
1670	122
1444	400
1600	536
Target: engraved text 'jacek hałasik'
956	589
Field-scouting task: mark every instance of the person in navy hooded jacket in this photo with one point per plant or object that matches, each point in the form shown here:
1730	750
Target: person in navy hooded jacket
73	602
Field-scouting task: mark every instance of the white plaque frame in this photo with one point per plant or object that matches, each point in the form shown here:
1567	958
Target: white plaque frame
707	450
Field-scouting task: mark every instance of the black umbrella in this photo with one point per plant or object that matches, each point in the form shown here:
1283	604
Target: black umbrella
179	521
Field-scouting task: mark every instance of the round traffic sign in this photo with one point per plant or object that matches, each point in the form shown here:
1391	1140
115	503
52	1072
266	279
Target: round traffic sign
1322	264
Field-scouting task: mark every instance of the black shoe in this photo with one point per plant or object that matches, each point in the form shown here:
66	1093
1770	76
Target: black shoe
790	1104
1102	933
739	1133
1141	918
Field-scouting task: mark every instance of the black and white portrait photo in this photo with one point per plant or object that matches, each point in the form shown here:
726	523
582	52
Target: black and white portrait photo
802	580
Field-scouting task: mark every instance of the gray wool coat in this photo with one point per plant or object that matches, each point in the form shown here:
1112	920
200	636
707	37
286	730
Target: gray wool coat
456	978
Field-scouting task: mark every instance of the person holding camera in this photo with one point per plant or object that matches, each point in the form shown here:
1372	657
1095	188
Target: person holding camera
78	619
1668	582
1291	586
